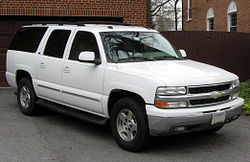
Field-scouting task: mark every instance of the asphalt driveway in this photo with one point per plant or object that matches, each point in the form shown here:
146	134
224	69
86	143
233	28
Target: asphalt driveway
55	137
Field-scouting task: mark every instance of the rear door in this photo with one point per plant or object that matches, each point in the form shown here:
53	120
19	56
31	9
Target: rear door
50	65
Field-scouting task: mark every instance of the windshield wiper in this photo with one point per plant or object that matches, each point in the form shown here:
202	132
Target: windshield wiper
144	58
165	58
134	59
123	60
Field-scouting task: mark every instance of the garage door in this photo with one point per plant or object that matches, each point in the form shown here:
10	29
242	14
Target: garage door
6	33
10	24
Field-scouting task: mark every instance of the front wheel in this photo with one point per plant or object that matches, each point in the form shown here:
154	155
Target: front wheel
26	97
129	124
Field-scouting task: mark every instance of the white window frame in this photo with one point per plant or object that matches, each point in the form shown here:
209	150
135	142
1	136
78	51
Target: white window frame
232	8
189	7
210	15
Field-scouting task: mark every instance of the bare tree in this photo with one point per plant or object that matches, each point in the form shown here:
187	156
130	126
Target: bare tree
157	5
165	14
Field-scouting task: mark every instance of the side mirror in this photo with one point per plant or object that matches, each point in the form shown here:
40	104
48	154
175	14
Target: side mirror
183	53
89	57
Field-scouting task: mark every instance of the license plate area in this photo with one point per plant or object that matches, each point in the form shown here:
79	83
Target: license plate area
218	117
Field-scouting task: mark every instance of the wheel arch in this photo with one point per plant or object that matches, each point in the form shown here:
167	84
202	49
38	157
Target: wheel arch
22	74
117	94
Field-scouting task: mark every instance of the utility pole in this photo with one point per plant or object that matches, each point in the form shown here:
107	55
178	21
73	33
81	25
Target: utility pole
176	14
182	26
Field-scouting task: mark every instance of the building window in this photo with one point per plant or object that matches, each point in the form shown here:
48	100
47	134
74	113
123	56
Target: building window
233	22
211	24
189	10
210	19
232	17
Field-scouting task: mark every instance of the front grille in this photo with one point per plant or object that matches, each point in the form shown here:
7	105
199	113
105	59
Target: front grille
196	90
209	100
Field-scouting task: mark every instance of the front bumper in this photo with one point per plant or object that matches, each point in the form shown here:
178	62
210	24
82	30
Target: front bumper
166	121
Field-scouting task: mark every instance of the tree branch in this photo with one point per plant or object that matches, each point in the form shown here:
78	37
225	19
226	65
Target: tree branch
159	6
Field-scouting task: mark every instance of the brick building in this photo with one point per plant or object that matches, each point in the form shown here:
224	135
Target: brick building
216	15
16	13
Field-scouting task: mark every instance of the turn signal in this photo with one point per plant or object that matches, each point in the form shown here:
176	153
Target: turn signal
161	104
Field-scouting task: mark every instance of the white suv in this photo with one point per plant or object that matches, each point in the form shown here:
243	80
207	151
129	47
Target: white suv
130	76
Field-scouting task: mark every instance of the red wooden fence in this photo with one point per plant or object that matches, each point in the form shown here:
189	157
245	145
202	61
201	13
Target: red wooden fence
230	51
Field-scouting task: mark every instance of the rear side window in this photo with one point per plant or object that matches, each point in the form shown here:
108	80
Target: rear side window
56	43
27	39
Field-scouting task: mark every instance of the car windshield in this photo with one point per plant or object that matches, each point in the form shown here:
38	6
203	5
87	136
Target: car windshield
137	46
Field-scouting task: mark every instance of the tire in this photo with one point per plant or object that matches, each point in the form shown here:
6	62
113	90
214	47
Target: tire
26	97
129	124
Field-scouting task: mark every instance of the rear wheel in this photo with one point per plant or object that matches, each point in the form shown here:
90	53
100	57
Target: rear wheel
26	97
129	124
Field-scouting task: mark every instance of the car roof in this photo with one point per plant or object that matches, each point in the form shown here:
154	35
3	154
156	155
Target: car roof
96	27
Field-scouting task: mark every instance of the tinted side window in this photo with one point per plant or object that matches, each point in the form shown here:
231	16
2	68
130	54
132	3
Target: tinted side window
27	39
56	43
84	41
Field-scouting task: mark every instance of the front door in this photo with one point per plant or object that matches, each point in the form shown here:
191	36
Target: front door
82	81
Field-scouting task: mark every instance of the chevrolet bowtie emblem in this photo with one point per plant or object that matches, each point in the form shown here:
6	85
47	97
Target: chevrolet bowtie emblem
215	94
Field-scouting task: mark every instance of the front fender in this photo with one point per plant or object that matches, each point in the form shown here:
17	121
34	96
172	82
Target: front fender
142	86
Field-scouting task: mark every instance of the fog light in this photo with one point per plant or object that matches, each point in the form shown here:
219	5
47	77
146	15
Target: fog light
177	129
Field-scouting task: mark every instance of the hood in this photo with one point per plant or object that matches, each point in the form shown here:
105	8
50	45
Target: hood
178	72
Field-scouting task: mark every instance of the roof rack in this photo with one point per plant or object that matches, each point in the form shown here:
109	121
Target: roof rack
57	22
105	22
81	23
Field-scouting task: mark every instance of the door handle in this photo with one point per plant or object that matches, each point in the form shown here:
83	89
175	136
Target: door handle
66	69
42	65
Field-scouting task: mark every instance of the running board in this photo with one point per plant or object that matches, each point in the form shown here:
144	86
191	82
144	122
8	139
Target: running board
73	112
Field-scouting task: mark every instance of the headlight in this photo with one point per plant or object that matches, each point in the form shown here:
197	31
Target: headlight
163	92
171	91
235	84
